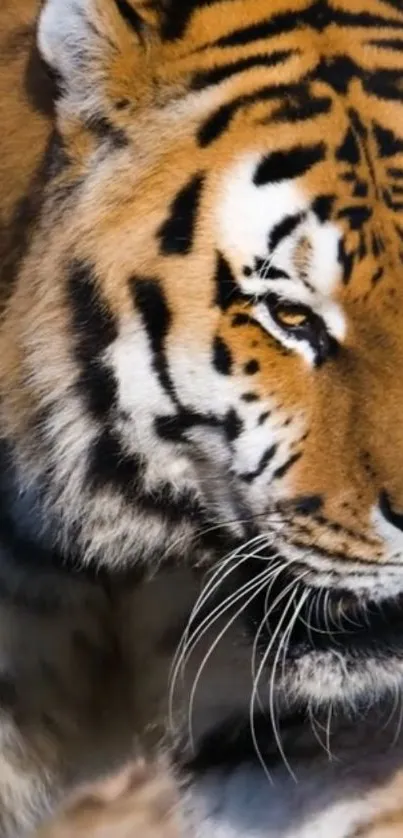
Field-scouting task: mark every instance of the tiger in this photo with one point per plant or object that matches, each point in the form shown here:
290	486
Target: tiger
201	236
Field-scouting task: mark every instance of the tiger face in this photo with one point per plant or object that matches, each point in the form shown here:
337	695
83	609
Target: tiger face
205	339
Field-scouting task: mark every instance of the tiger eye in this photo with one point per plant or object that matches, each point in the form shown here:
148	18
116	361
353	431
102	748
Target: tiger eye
291	319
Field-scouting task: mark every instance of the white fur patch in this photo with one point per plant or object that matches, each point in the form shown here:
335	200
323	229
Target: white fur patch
63	31
246	213
246	216
389	534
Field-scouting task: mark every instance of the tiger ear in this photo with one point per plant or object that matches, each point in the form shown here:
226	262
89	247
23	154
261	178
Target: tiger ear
93	46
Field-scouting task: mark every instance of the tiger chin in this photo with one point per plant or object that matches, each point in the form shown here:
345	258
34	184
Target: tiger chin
201	494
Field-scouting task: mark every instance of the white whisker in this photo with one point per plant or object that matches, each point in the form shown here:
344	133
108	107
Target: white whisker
263	663
190	641
267	613
287	634
211	651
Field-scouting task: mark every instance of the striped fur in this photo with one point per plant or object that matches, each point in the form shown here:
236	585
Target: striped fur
201	242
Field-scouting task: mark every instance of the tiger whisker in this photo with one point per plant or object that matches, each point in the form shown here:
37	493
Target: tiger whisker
284	644
205	593
222	607
189	641
212	585
291	586
185	648
218	578
216	572
211	650
315	724
267	613
256	684
192	641
199	533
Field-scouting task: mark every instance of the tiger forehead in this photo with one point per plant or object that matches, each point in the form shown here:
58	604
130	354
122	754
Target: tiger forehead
286	82
275	236
271	86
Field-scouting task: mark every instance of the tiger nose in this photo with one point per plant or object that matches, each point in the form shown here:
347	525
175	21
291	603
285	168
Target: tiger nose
386	508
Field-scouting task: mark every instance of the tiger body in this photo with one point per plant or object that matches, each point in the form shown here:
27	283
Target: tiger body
200	344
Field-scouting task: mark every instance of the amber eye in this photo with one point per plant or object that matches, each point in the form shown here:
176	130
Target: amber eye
302	324
291	318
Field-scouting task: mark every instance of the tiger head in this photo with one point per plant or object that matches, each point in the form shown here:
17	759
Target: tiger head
206	334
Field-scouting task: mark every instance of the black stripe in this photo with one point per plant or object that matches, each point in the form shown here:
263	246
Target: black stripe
365	20
228	291
322	207
218	122
174	428
395	44
282	470
317	17
393	4
249	397
388	143
276	25
264	417
109	465
377	276
204	78
177	233
377	245
360	189
15	235
242	319
349	151
102	127
356	216
222	358
94	328
250	476
385	84
337	71
289	163
283	229
396	206
150	300
232	425
265	270
300	109
346	260
131	17
178	14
